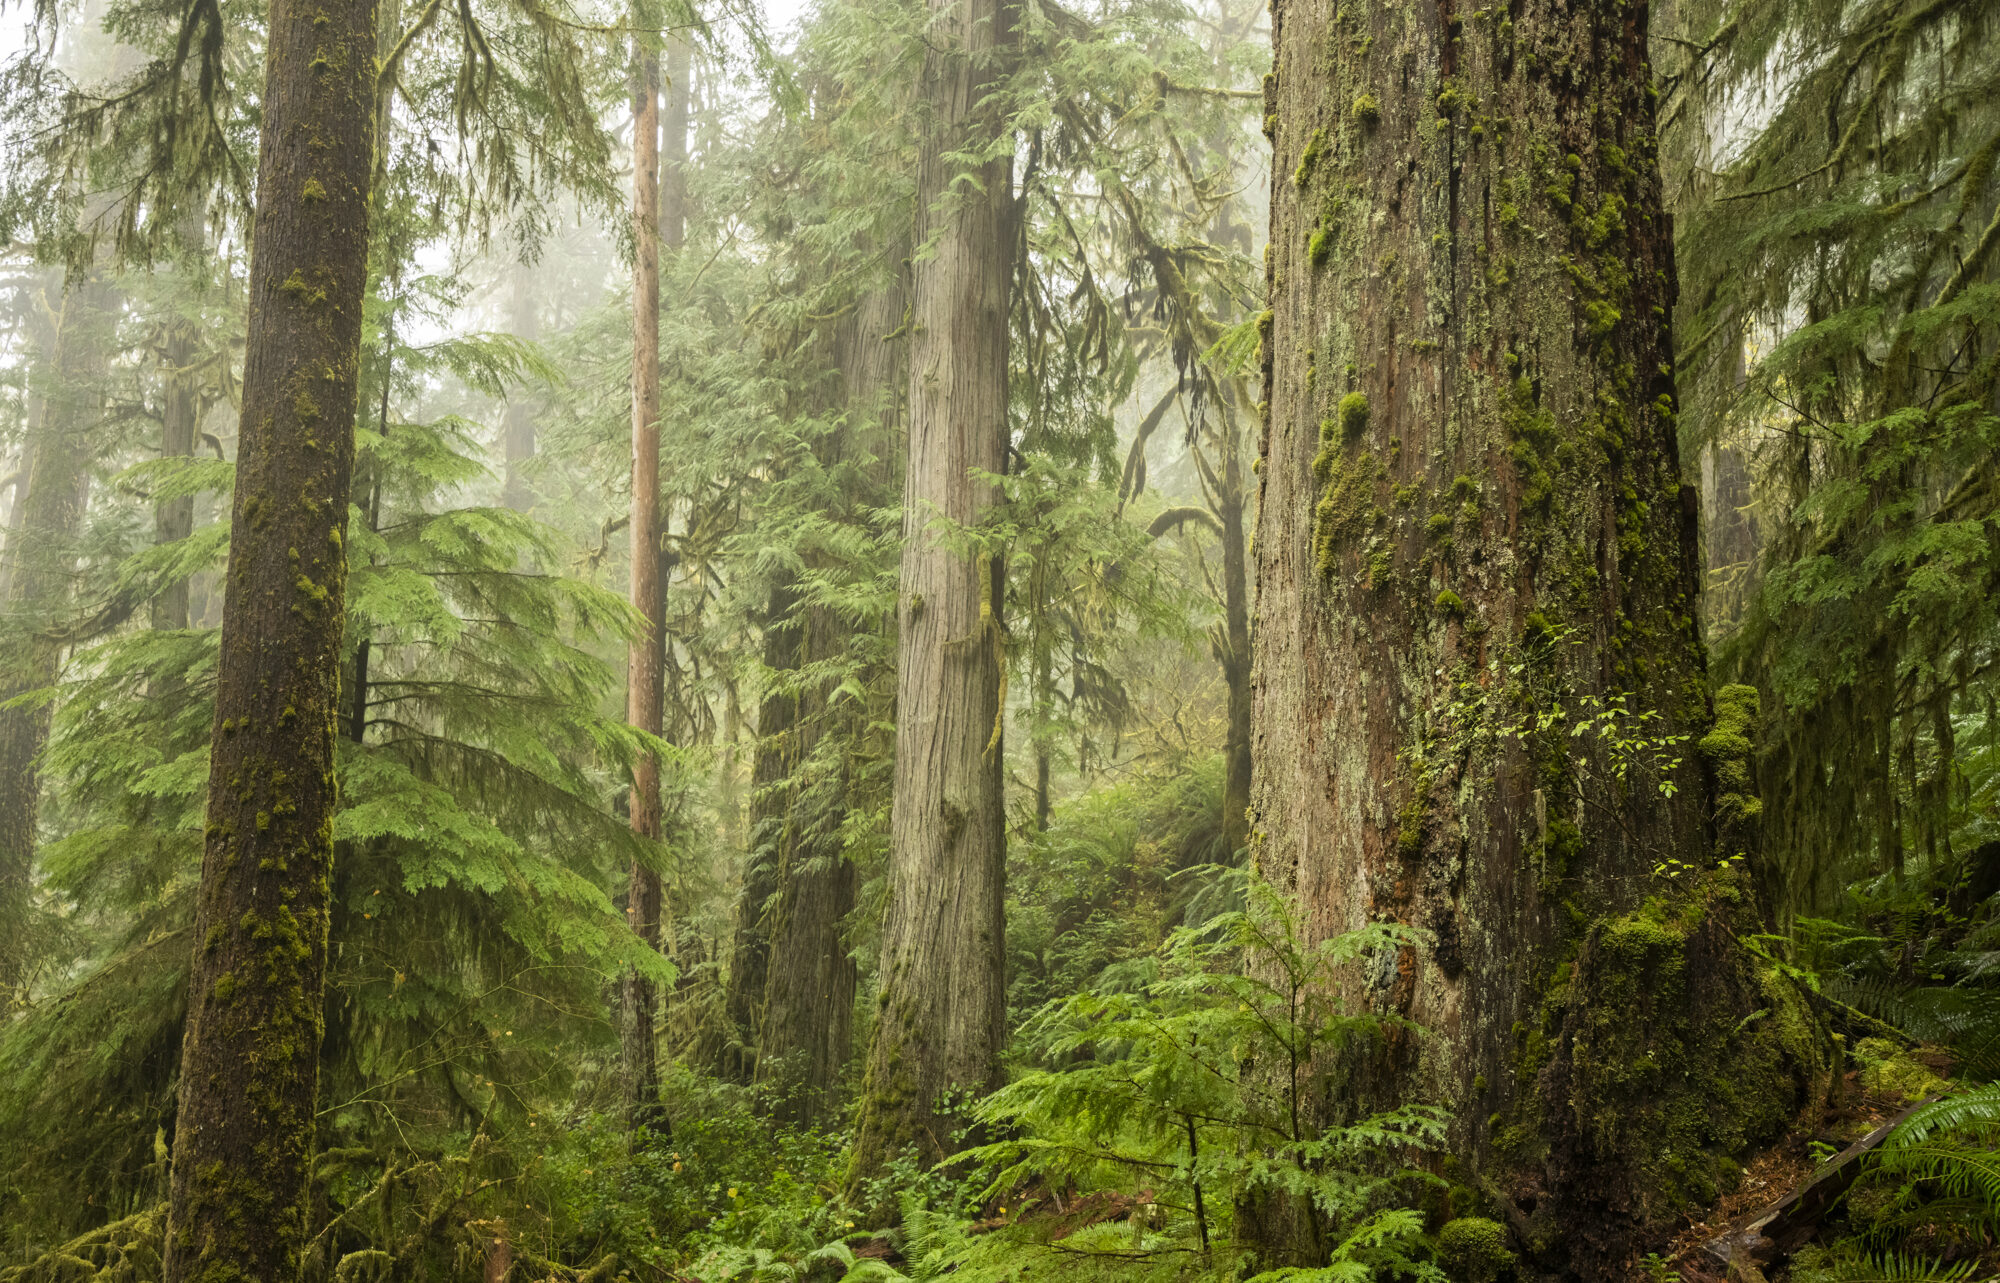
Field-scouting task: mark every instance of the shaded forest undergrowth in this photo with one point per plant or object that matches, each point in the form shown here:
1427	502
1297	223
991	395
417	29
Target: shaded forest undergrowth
1170	1025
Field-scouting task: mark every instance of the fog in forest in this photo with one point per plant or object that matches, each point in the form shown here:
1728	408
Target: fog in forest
1131	641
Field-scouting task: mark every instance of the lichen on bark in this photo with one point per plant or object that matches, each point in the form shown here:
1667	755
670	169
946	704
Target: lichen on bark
1497	289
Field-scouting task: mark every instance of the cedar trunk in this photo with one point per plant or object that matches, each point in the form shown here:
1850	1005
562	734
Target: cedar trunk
249	1065
808	1015
646	670
1474	539
40	558
942	1006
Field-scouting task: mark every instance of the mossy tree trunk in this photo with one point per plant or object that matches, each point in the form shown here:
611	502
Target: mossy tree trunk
40	561
244	1132
942	1004
807	1024
645	702
1474	540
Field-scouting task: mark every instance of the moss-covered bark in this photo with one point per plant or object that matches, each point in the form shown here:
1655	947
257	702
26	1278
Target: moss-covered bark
249	1069
1474	540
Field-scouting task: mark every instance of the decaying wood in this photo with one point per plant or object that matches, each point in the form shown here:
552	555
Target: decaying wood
1769	1236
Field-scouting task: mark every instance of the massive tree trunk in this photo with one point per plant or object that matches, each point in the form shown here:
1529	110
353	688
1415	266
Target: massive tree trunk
807	1024
40	560
942	1011
645	675
1473	516
250	1063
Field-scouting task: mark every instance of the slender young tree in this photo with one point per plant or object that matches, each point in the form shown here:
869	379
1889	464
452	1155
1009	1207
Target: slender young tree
1481	701
244	1132
940	1022
645	674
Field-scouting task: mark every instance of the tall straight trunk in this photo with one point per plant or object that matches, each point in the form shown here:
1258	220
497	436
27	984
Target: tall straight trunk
250	1062
774	765
1233	643
674	141
943	1006
645	674
40	557
806	1030
180	412
517	429
1473	516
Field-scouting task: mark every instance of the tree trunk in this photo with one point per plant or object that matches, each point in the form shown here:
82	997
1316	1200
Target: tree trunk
807	1026
1472	516
40	556
645	697
517	443
180	415
1233	652
249	1065
734	1052
942	1011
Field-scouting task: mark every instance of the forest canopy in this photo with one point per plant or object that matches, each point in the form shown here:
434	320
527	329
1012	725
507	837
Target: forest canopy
882	640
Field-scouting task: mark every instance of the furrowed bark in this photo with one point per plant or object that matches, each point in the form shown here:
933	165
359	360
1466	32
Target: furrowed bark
1473	518
645	674
942	1004
249	1067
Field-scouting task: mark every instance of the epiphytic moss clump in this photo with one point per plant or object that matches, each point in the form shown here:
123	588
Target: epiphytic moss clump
1473	1249
1352	415
1728	749
1346	485
1366	111
1309	159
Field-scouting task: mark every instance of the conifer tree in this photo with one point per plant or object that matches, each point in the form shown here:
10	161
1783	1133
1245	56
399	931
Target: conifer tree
245	1128
942	1008
40	556
645	680
1481	702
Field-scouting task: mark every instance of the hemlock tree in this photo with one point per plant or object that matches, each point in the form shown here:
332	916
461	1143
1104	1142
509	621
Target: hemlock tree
942	1005
250	1061
1481	700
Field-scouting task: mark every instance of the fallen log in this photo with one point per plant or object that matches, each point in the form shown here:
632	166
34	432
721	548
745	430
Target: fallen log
1764	1238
